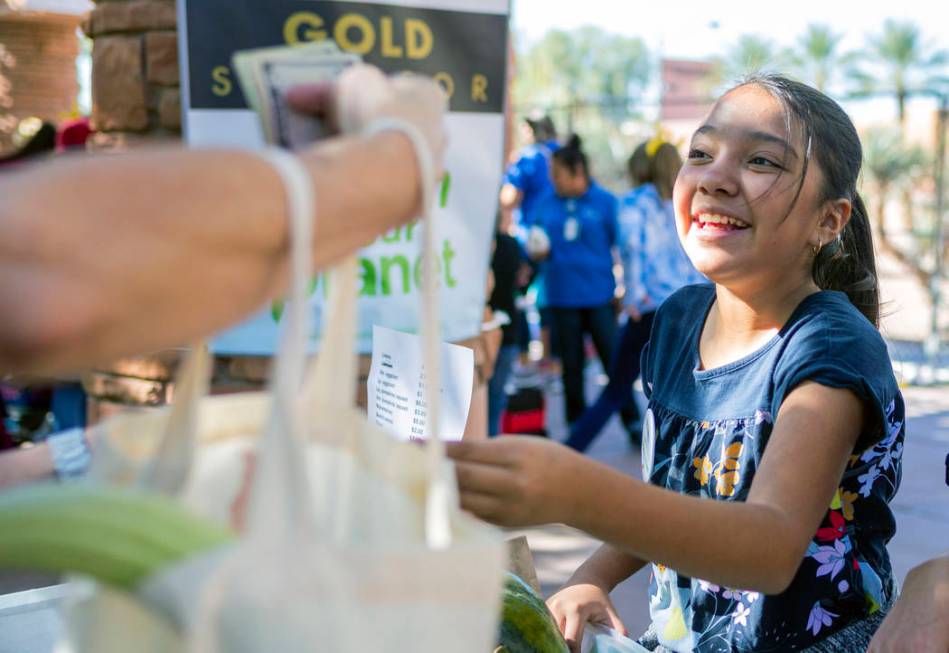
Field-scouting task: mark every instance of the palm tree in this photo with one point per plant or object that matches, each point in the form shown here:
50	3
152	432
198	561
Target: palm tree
817	59
905	61
891	164
751	54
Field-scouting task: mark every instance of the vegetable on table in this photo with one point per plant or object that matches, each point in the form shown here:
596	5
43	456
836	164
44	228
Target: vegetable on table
526	624
116	536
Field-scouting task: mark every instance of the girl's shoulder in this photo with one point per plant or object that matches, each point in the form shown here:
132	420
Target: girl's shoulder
830	342
828	321
690	302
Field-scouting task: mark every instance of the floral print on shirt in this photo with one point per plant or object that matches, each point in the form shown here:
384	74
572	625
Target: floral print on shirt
843	576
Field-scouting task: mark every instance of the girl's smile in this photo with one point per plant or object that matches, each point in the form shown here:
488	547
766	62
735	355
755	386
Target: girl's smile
743	213
712	224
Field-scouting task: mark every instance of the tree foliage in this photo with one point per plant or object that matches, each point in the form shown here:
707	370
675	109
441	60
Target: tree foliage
817	58
591	82
898	62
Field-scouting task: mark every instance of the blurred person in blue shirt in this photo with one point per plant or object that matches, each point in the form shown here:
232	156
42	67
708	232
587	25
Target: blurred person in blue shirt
580	220
527	179
654	267
526	182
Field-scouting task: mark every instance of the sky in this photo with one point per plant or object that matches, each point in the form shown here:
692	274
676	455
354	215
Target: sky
693	29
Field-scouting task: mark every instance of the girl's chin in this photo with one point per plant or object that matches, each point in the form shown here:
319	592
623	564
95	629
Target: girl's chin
715	265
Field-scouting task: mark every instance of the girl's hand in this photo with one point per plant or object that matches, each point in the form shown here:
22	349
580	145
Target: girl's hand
578	603
518	480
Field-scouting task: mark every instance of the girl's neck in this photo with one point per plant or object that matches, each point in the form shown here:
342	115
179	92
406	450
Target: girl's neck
740	323
761	310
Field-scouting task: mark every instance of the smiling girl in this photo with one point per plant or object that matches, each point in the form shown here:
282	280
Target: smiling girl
773	437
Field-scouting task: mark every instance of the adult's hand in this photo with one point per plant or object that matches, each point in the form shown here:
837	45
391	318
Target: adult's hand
198	238
363	95
919	622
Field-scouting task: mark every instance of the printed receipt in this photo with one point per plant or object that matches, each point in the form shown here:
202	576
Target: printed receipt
396	386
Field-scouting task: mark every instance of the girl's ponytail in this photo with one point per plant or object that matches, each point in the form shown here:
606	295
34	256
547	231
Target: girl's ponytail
849	265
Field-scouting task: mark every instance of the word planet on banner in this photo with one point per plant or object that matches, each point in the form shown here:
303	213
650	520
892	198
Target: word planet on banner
461	43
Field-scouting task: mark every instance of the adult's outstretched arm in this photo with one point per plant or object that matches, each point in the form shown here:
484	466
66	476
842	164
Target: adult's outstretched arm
106	256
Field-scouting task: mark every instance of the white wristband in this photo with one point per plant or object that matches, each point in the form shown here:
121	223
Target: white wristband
71	455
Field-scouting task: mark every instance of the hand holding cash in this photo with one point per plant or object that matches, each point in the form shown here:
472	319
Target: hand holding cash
304	93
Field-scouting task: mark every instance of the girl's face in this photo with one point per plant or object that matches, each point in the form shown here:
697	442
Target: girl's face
567	183
733	195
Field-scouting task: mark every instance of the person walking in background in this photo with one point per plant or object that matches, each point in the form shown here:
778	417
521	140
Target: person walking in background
506	265
654	267
526	182
580	220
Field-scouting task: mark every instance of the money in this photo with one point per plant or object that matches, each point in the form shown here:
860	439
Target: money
266	74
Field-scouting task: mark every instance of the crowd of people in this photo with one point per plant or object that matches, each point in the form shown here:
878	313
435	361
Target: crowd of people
772	436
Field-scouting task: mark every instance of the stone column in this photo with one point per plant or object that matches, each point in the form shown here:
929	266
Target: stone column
136	102
135	92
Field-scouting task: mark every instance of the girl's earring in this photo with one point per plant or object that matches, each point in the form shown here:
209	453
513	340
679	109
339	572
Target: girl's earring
817	247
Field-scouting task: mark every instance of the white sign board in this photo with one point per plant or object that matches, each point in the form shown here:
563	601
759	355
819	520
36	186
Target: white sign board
463	44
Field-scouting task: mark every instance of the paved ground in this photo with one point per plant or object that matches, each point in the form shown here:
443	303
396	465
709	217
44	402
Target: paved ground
921	506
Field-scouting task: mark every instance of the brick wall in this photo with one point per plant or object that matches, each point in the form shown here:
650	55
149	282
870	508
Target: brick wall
37	69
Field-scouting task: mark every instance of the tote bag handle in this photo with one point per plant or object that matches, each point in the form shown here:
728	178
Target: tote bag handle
331	382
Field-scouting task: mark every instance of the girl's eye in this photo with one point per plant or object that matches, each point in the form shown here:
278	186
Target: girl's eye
695	153
763	161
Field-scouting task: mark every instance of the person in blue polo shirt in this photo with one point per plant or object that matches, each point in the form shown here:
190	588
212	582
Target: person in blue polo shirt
526	182
580	220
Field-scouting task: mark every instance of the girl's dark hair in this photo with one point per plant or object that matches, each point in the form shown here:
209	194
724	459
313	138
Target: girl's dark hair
571	156
639	169
828	134
664	165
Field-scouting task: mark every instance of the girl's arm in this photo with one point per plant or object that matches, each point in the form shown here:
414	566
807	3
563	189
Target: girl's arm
757	544
607	568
